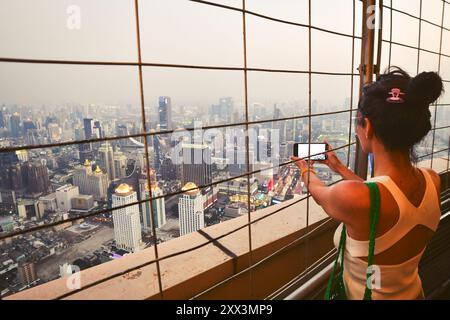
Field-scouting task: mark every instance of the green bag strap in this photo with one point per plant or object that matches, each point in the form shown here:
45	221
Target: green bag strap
374	216
340	253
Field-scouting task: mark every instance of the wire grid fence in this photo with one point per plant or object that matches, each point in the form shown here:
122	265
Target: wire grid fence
245	69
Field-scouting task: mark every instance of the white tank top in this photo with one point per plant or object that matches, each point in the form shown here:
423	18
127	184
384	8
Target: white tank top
399	281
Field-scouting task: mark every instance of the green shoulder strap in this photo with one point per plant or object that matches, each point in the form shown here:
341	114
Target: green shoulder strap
374	215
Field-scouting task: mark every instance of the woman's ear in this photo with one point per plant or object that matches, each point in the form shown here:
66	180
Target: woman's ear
368	129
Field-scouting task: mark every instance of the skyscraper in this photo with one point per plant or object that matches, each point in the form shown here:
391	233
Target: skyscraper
91	182
196	167
106	160
159	209
190	210
127	224
120	164
15	125
85	149
157	150
36	176
165	113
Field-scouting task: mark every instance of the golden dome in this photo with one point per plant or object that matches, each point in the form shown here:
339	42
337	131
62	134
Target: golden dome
123	188
154	187
98	170
194	190
87	163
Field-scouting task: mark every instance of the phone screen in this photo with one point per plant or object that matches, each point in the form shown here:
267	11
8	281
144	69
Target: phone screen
301	150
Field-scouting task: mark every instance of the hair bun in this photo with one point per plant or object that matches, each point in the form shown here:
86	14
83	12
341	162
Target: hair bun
425	87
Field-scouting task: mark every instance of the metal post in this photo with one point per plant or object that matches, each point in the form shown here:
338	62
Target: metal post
366	72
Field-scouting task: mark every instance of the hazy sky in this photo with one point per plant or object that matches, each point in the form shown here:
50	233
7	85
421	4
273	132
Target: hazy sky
182	32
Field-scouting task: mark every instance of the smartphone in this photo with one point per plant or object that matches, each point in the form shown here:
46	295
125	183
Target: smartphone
301	150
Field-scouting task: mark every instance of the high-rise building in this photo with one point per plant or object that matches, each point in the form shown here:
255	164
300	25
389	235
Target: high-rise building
127	224
165	113
159	208
15	125
120	164
54	132
37	179
106	160
196	167
97	131
85	149
26	273
2	121
157	151
64	196
169	170
91	182
190	209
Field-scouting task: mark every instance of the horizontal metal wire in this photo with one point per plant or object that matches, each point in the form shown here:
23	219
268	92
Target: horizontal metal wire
415	48
433	153
415	17
164	132
168	195
275	19
166	65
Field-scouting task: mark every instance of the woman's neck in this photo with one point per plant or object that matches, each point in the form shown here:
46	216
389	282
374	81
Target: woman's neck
391	163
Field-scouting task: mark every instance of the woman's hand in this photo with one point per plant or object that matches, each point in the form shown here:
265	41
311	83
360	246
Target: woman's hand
332	160
301	163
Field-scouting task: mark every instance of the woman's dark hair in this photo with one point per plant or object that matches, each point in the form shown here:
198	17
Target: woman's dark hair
400	123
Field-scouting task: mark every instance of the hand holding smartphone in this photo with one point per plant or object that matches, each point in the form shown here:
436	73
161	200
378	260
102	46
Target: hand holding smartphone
313	151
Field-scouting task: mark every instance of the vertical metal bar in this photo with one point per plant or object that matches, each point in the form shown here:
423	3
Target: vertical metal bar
351	85
247	147
309	102
390	36
366	76
420	34
439	70
380	37
144	128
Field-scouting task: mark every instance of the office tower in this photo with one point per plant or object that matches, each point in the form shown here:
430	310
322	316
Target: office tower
15	178
122	131
106	160
54	132
157	152
159	208
15	125
7	201
2	119
28	209
28	125
127	224
37	179
64	196
86	152
165	113
26	273
120	164
226	108
196	167
190	209
91	182
97	131
168	170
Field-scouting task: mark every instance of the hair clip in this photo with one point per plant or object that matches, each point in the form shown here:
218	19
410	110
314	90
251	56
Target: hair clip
395	96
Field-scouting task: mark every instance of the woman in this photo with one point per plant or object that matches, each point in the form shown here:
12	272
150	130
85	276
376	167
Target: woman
393	116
